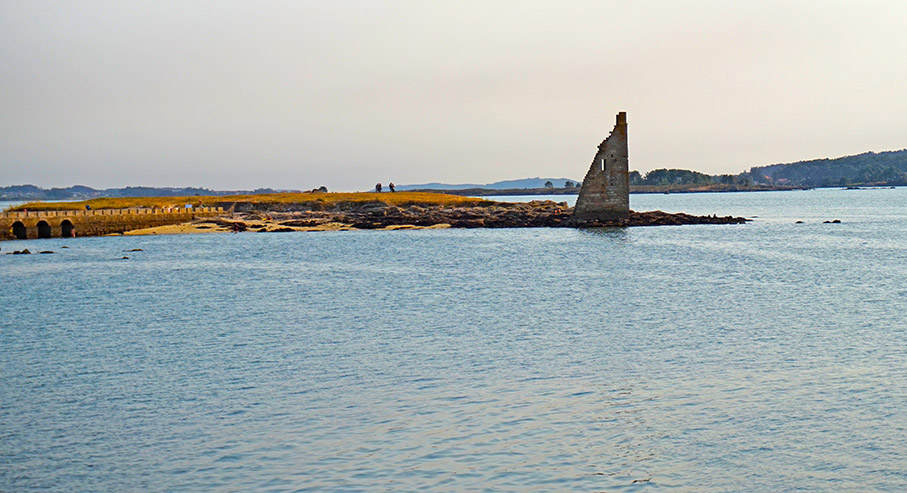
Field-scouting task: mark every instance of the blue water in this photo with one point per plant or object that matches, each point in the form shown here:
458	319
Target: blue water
6	204
760	357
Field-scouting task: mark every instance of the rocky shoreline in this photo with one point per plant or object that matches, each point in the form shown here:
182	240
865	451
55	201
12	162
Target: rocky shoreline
378	215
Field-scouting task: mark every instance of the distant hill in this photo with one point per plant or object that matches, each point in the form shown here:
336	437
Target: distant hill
888	168
870	168
440	186
498	185
79	192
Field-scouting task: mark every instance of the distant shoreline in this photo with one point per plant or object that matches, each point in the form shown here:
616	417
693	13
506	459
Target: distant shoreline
467	192
647	189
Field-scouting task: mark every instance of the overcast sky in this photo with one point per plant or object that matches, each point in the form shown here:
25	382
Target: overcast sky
299	94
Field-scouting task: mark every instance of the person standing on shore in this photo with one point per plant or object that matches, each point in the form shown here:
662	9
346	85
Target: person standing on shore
378	187
391	186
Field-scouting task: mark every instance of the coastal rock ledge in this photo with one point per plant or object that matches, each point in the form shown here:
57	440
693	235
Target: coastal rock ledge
377	215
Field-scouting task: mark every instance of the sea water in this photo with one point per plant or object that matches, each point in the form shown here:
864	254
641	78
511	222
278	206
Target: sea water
759	357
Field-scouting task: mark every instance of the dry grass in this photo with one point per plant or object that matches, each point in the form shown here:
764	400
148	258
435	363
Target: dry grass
326	199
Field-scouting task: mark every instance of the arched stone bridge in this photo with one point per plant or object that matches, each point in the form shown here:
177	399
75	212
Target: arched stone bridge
68	224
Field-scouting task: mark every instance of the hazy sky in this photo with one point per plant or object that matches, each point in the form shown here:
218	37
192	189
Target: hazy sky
298	94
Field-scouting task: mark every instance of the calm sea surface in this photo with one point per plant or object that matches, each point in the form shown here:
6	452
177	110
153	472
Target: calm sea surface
760	357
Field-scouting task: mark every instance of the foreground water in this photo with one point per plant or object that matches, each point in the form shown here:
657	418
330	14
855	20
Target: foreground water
767	356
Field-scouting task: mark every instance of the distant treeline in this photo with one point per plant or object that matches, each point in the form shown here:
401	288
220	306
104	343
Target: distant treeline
78	192
870	168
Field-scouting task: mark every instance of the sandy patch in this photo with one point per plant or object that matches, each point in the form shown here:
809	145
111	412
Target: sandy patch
179	229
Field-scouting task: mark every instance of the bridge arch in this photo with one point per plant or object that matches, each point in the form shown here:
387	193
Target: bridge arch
67	230
44	229
20	231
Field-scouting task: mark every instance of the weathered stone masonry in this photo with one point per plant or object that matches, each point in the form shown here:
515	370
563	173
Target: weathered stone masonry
605	194
66	224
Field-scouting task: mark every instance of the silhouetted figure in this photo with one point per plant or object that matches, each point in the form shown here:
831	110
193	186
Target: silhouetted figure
87	207
391	186
378	187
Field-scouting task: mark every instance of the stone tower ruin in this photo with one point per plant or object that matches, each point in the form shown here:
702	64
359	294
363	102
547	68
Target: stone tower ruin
605	194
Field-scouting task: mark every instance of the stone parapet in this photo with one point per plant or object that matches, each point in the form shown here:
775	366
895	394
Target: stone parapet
94	222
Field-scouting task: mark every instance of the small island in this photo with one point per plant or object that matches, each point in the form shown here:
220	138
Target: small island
603	202
312	211
402	211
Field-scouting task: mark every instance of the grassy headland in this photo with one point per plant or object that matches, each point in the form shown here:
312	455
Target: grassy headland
317	200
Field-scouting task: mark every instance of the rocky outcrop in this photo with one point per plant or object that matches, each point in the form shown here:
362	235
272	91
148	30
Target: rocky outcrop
536	214
659	218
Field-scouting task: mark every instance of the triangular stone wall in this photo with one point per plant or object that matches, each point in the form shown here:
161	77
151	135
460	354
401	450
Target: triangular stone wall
605	194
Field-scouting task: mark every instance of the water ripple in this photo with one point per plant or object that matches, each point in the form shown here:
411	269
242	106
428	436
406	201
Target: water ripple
765	357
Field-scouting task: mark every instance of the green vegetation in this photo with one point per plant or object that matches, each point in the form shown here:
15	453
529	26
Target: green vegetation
884	168
870	168
671	177
663	180
324	200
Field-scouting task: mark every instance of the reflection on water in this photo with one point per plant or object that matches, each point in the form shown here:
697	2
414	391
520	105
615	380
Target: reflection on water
766	356
620	234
